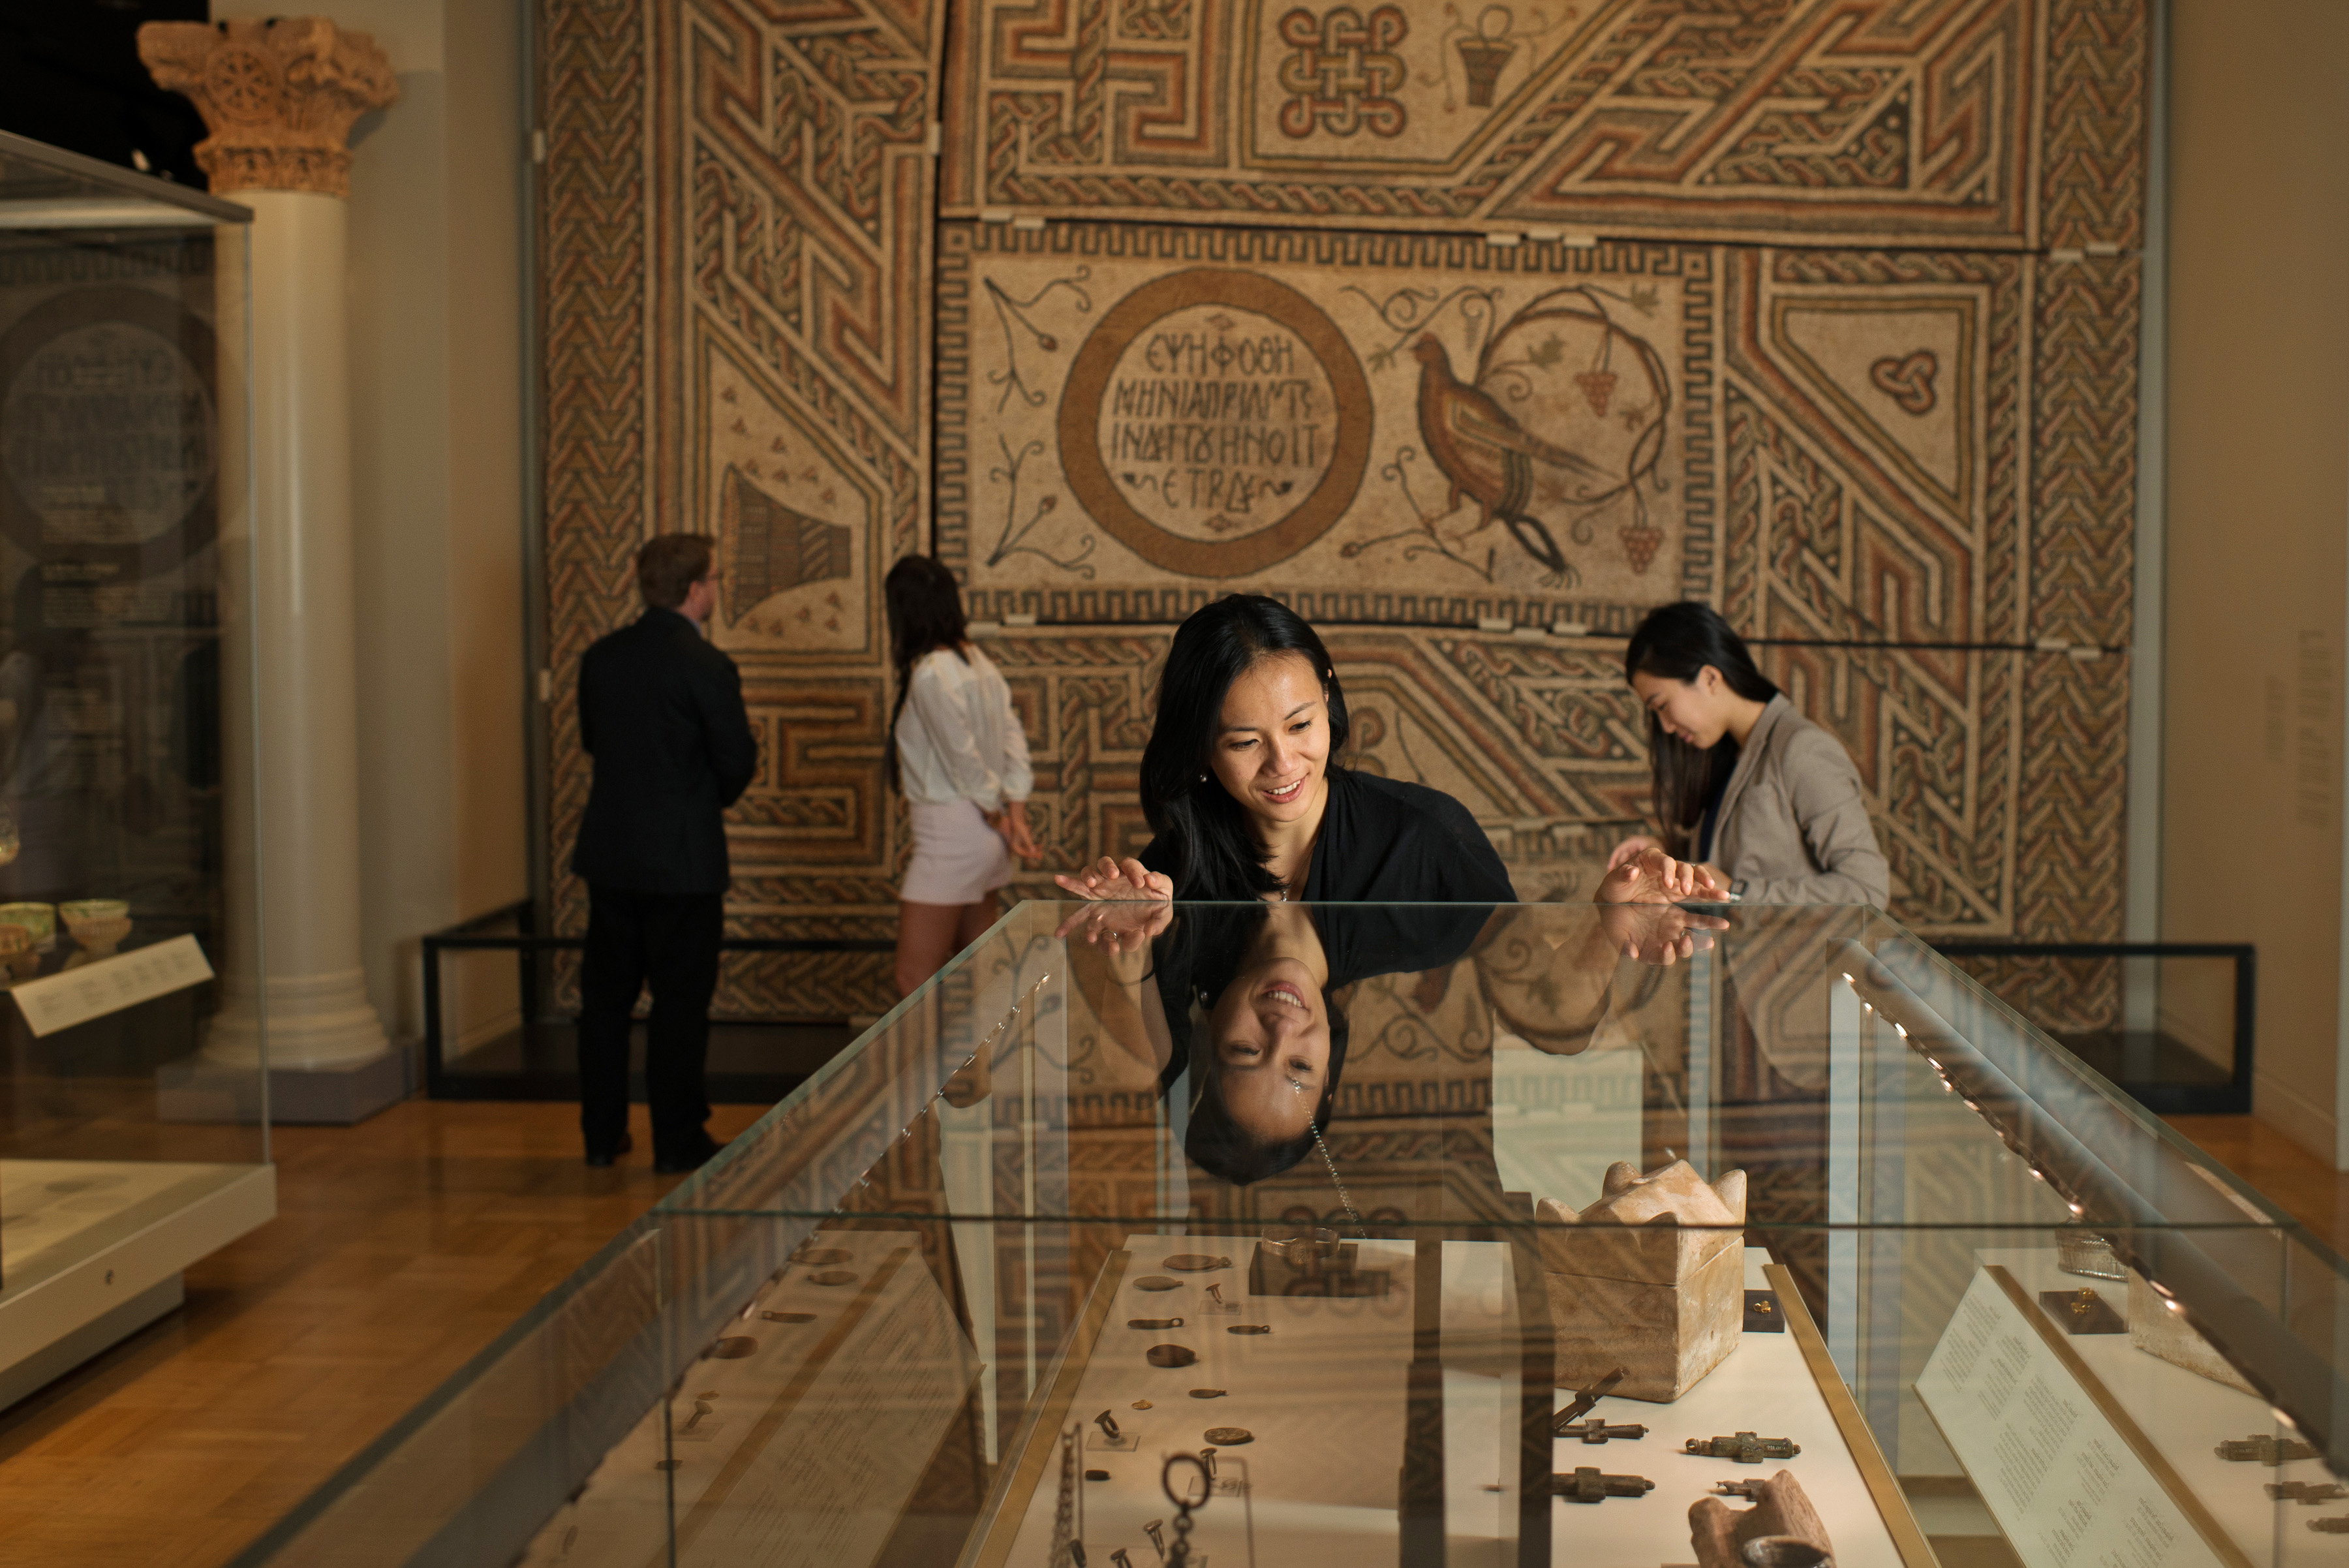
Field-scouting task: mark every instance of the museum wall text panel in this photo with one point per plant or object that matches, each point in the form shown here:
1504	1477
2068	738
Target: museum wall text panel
1473	336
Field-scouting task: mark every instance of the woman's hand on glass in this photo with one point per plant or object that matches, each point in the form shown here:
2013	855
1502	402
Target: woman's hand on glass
1123	928
1652	876
1638	844
1114	879
1660	934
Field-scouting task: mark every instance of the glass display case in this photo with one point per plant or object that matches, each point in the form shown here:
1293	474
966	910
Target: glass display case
1270	1234
133	1133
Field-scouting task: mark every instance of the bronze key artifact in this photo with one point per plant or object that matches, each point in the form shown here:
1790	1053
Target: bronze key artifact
2335	1524
2269	1451
2307	1493
1586	1485
1744	1448
1598	1431
1750	1490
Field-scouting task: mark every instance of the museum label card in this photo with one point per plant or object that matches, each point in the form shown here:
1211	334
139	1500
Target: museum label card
110	984
2069	1486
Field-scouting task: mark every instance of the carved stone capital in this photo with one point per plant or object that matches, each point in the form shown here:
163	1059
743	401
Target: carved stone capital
278	96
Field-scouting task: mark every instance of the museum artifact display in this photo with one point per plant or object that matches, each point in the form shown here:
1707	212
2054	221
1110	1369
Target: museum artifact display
1825	1149
1781	1528
134	1139
1650	1277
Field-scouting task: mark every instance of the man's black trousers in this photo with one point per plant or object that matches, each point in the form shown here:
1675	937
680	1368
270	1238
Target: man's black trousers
670	941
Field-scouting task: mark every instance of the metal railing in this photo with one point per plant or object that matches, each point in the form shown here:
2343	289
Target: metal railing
475	936
2232	1098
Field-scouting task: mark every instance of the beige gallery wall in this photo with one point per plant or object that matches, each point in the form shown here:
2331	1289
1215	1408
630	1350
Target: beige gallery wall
437	438
2258	519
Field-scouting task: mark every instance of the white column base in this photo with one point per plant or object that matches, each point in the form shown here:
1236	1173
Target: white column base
314	1020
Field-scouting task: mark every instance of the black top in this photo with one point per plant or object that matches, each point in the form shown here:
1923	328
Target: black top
660	711
1384	841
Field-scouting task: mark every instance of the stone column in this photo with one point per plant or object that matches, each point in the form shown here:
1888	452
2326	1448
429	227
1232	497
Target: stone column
279	97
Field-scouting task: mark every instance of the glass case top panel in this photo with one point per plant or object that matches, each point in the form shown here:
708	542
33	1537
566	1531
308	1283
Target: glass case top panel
1372	1069
44	187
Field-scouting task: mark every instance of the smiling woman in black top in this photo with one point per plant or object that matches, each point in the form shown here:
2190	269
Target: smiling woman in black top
1240	787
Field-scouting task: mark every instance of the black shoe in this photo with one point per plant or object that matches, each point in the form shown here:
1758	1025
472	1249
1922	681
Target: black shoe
693	1159
599	1158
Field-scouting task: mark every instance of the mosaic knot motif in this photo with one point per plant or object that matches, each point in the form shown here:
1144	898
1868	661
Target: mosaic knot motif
1343	75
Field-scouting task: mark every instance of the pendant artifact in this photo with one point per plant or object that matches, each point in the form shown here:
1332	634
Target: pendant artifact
787	1316
1157	1282
1153	1323
1172	1356
1744	1448
2307	1493
1206	1393
1249	1328
2334	1524
1586	1485
820	1257
1194	1263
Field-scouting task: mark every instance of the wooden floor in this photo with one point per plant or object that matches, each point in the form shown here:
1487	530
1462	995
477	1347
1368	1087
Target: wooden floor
403	1246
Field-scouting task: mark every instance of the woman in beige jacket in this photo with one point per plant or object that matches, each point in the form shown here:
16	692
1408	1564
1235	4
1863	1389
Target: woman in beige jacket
1766	801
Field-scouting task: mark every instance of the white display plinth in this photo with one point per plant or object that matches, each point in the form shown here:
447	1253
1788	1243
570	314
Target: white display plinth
85	1242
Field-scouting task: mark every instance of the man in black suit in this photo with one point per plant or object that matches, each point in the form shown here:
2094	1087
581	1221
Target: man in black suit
660	711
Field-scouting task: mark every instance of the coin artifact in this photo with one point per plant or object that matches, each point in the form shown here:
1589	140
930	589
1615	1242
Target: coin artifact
833	1277
1172	1356
1206	1393
1157	1282
733	1347
1249	1328
787	1316
1195	1262
1229	1437
1096	1475
1153	1323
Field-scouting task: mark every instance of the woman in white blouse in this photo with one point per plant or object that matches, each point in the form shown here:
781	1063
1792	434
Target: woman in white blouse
961	762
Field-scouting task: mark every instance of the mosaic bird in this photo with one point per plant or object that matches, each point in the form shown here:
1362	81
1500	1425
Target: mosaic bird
1484	453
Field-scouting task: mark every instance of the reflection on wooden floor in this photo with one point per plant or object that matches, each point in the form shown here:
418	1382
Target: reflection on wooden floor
402	1246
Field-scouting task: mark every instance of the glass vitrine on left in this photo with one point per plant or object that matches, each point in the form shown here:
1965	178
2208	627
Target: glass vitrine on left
133	1132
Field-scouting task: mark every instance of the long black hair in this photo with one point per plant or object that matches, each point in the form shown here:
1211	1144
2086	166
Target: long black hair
1209	950
924	611
1674	643
1214	856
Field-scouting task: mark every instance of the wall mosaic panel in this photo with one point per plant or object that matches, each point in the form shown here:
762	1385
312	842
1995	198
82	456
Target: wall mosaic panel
1205	295
1873	123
